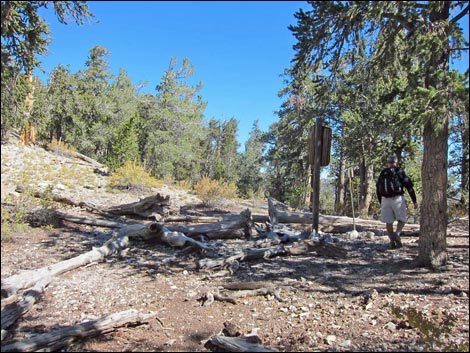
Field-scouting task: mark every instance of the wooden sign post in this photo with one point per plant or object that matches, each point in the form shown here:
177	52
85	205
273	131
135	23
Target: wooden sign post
319	156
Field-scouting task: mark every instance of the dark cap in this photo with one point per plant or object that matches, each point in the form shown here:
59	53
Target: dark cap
392	159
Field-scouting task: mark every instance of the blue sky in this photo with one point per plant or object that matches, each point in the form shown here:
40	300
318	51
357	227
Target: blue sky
239	49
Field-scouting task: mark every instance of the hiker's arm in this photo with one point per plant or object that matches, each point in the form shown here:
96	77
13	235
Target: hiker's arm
408	184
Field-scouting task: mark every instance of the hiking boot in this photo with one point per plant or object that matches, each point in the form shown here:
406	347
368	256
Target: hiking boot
398	243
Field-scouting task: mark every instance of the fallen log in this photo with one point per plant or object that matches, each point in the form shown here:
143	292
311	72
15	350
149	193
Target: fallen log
192	219
26	279
65	200
89	221
333	224
303	247
147	207
13	311
239	344
74	154
229	228
226	229
11	299
52	341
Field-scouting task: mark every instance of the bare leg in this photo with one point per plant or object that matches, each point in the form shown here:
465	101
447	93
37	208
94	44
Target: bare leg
390	232
400	226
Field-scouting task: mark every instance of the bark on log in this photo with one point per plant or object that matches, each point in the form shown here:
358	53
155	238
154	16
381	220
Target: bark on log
11	299
146	207
192	219
225	229
57	339
231	228
13	311
334	224
300	248
239	344
74	154
26	279
65	200
90	221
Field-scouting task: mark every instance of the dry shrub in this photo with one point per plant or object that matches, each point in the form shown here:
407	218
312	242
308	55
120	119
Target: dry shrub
213	192
133	176
60	146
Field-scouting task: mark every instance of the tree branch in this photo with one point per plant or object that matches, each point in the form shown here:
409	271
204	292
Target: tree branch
460	15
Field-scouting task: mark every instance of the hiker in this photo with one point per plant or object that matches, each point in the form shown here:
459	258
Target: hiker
390	191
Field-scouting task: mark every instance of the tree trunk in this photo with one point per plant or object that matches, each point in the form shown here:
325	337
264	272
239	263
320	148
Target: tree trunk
366	188
464	162
340	188
433	222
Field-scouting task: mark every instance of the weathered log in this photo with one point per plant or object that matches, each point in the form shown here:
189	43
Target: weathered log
90	221
159	232
52	341
239	344
225	229
192	219
27	279
248	289
13	311
65	200
300	248
11	299
334	224
146	207
74	154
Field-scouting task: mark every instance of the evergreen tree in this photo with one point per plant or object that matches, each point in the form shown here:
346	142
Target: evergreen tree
25	36
175	131
252	164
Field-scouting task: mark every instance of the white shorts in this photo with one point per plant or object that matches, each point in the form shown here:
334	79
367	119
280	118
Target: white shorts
393	208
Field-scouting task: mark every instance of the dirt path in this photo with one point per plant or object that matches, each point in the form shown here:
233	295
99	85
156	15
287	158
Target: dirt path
327	297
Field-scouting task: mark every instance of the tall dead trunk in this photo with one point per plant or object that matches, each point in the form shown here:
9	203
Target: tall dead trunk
433	222
464	161
340	186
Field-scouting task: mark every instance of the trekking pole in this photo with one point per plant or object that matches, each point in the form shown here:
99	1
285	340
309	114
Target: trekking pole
354	234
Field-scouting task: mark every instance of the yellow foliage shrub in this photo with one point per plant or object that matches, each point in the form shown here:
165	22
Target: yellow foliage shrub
133	176
60	146
213	192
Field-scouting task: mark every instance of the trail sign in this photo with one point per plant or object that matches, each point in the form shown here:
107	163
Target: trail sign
319	146
326	135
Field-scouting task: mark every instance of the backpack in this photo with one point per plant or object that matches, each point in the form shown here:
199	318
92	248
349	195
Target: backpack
390	183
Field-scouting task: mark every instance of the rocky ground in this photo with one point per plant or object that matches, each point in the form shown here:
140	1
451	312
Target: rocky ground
330	305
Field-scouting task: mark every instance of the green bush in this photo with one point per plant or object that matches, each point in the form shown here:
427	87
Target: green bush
25	210
213	192
133	176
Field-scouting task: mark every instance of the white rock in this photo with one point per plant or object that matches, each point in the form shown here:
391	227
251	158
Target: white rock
353	235
330	339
